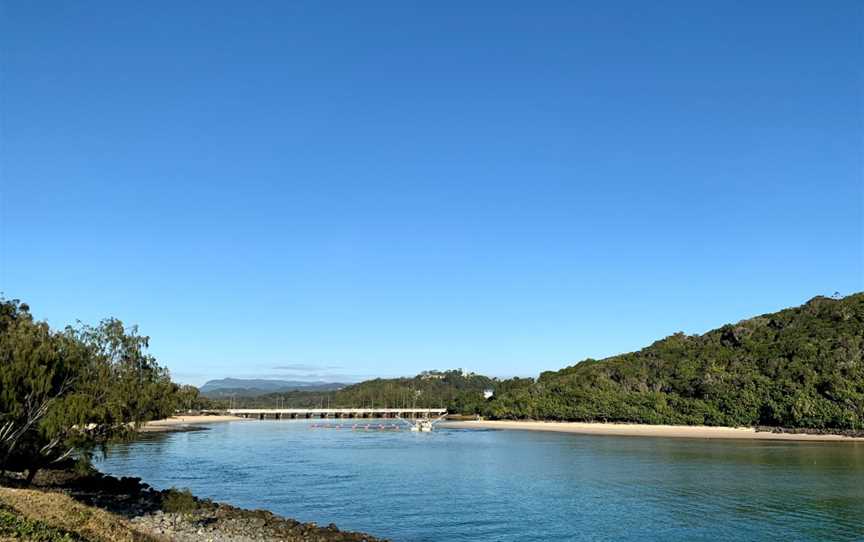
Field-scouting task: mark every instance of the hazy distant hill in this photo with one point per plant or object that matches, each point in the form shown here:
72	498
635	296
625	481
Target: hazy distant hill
252	387
799	367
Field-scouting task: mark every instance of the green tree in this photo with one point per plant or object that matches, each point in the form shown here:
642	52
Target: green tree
64	393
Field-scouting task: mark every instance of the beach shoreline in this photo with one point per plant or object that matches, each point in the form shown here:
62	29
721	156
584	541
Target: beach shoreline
185	423
643	430
199	422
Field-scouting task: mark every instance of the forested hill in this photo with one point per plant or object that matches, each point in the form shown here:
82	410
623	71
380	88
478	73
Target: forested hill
456	390
800	367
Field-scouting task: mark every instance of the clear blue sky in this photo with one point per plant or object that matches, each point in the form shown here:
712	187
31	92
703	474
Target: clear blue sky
344	189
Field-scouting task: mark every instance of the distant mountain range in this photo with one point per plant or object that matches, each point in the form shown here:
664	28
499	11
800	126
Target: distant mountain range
252	387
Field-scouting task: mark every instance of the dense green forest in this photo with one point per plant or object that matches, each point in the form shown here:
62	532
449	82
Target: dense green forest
800	367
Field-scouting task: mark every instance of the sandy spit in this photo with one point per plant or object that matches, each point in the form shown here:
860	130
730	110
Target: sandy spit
183	423
640	430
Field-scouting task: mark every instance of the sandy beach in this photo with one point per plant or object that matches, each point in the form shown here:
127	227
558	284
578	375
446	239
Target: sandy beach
184	423
639	430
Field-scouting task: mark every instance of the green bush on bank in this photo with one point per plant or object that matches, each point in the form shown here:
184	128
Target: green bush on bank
179	501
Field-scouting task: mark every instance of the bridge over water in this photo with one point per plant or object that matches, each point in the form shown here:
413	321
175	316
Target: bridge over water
293	413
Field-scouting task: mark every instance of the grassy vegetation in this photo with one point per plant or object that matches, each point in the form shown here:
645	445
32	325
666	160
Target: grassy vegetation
14	526
54	517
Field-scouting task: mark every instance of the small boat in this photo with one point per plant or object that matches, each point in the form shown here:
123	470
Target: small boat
424	426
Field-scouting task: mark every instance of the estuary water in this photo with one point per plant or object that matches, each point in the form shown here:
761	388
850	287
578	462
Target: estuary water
458	484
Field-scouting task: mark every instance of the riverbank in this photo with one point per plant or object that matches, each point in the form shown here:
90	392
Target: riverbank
63	506
641	430
185	423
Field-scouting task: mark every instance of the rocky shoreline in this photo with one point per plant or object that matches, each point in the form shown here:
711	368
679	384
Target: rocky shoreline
850	433
179	516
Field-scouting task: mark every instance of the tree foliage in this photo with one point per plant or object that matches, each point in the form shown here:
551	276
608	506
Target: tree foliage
189	398
800	367
64	392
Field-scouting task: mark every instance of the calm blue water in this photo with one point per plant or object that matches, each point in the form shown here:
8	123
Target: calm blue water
454	485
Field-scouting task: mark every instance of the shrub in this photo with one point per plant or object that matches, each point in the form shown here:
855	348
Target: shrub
179	501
